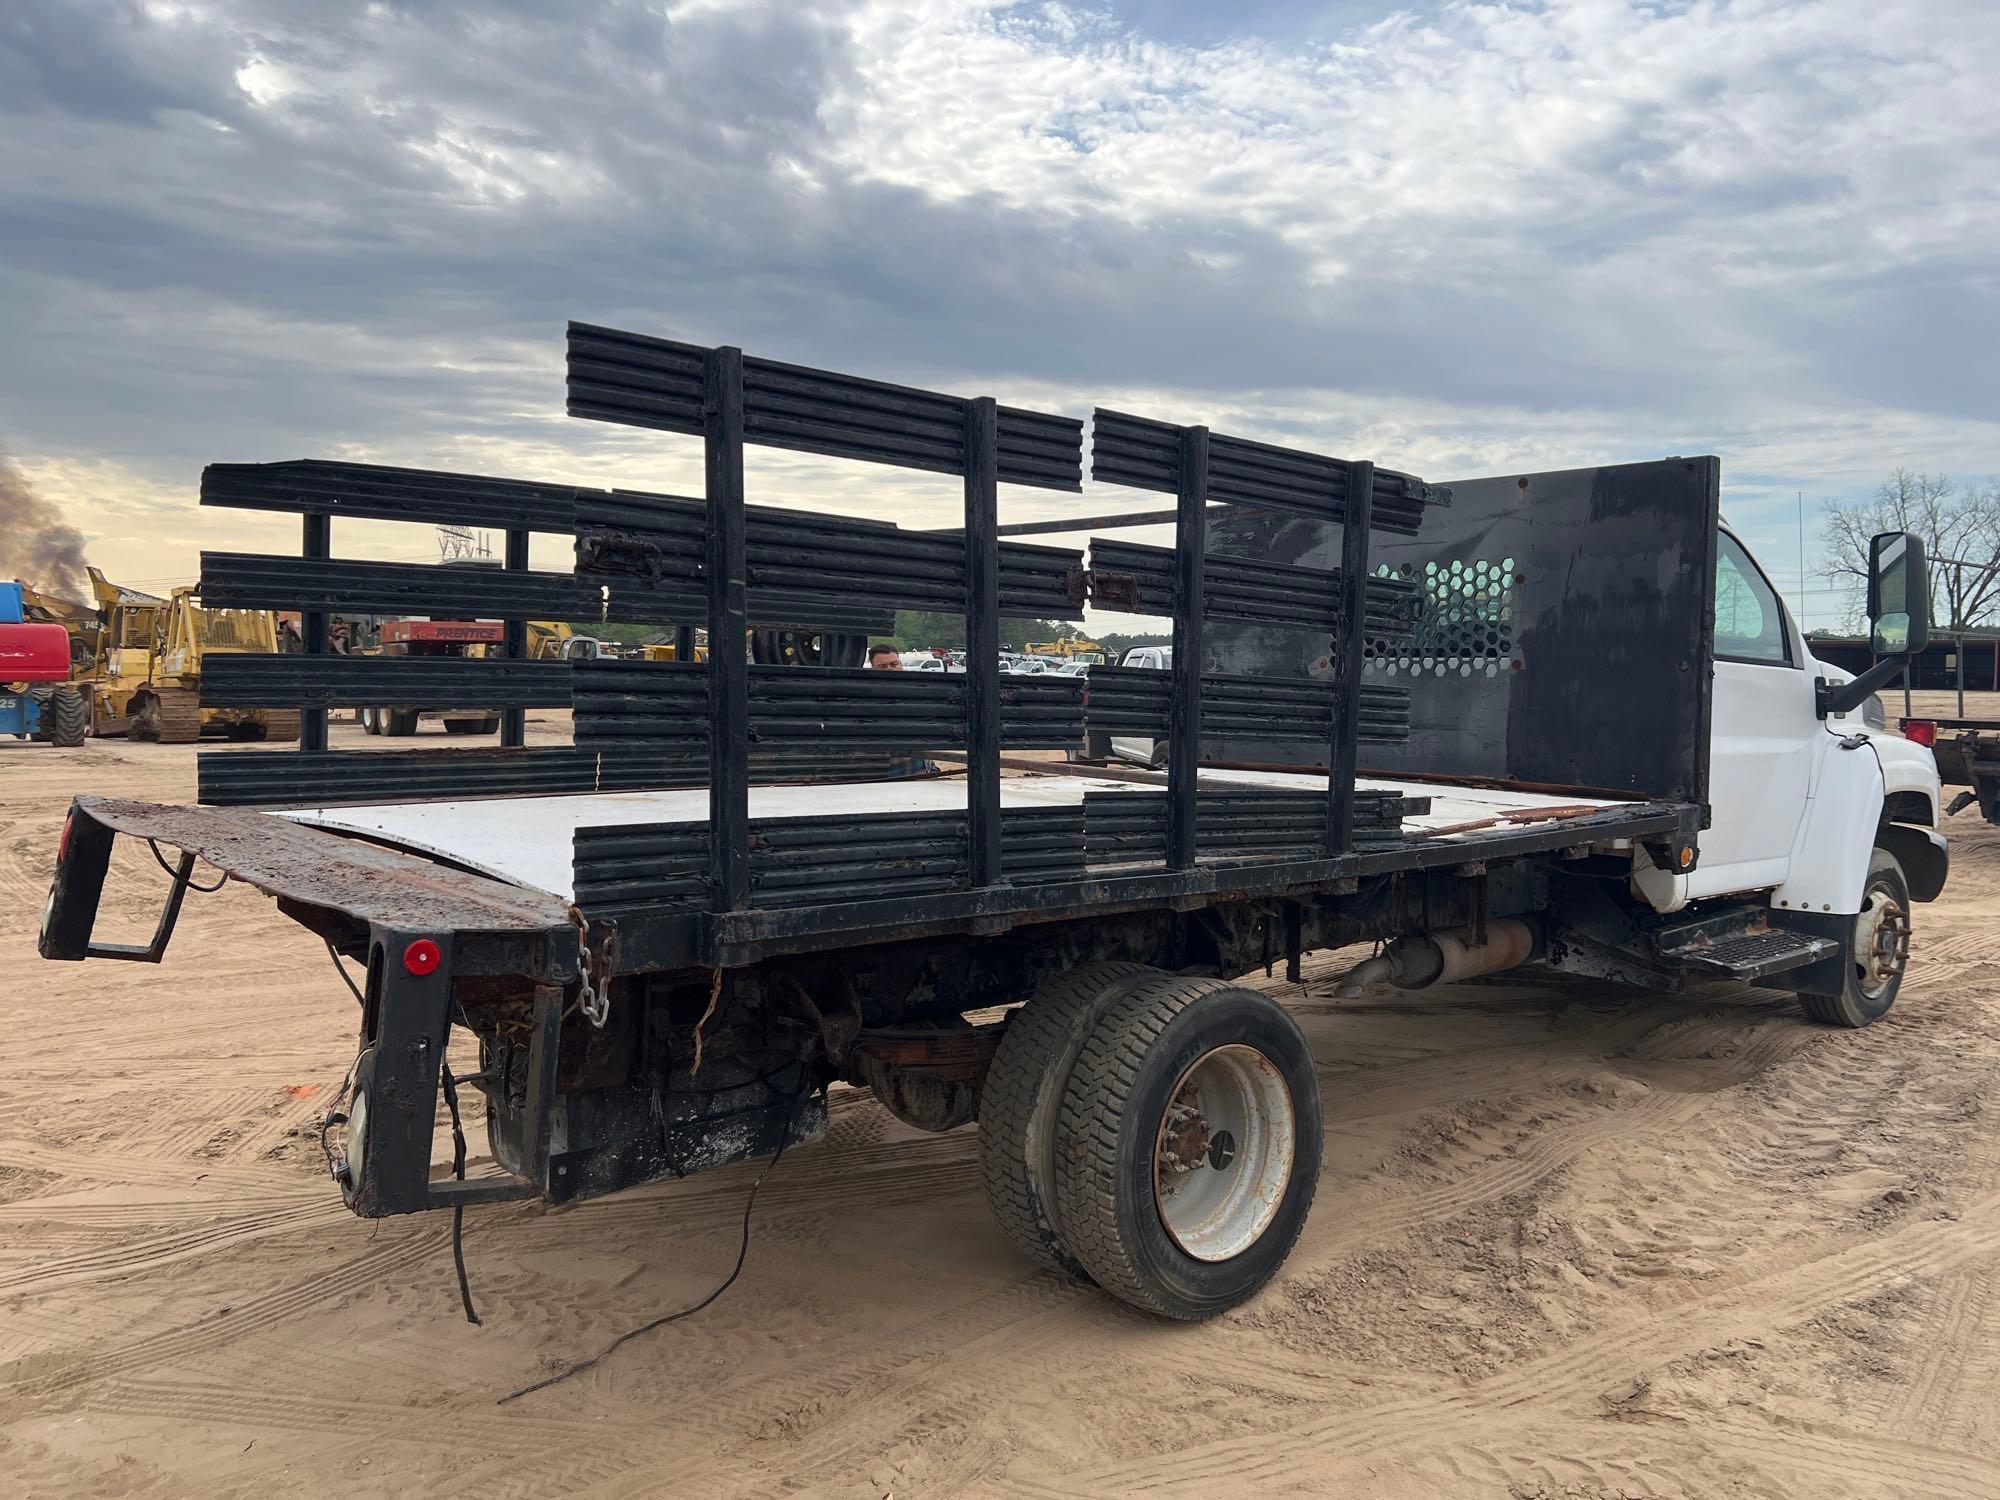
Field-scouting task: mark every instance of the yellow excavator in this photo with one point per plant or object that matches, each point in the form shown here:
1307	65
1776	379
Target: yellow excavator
147	677
1069	648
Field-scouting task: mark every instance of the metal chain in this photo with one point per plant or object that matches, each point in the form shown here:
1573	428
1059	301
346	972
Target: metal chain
594	1003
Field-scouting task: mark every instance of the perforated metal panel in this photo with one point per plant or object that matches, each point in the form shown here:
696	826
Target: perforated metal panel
1465	620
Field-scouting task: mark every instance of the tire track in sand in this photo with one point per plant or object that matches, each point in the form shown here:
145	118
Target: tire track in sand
1586	1368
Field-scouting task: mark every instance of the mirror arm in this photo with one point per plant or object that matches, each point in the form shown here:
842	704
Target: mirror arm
1844	697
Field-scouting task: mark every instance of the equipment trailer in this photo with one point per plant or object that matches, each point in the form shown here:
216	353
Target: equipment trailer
1485	726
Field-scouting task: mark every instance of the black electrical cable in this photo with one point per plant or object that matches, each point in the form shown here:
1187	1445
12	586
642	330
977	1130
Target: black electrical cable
192	883
332	1115
341	968
458	1209
742	1253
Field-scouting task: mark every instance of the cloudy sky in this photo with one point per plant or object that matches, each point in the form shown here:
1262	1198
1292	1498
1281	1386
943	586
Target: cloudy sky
1459	238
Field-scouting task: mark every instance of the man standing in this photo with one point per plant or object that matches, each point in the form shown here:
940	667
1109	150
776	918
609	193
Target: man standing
884	657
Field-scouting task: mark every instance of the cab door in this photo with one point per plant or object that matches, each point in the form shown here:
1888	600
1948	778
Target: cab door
1765	735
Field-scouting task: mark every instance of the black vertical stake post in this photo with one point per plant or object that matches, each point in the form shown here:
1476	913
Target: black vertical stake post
982	639
1344	754
514	638
313	630
728	639
1184	715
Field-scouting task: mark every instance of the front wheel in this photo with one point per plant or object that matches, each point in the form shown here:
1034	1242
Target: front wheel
1875	951
1188	1149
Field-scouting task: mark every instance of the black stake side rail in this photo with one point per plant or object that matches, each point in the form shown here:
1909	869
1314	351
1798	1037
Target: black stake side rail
797	709
1131	827
1137	701
614	376
234	778
810	860
1145	454
655	938
253	681
249	580
375	492
1133	578
1185	708
804	566
731	401
1350	725
804	859
1199	467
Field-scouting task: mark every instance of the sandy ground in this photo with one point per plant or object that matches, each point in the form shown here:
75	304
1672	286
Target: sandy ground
1568	1242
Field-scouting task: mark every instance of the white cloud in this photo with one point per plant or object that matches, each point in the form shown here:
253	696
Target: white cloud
1490	236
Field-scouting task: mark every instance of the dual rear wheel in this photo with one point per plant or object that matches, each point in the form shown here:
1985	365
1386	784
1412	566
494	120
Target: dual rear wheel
1154	1134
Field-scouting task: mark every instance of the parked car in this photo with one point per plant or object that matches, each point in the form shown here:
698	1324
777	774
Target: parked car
1128	747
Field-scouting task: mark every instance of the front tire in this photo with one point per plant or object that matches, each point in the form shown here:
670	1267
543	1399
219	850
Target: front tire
1875	951
1188	1149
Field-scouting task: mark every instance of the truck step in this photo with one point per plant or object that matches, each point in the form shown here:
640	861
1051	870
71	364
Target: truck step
1751	955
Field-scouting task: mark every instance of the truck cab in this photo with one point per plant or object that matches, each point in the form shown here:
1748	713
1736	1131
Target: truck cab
1797	793
1814	806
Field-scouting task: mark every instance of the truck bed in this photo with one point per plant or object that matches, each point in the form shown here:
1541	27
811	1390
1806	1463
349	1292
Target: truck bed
527	841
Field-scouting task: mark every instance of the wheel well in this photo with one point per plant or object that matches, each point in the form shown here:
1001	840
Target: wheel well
1916	849
1909	807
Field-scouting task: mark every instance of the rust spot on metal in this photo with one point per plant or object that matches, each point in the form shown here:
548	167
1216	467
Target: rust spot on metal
365	881
1076	584
1115	590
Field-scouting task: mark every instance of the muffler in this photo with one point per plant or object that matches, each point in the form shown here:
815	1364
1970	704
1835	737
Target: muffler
1423	959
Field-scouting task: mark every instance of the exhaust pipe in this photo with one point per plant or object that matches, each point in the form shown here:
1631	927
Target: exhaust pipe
1422	960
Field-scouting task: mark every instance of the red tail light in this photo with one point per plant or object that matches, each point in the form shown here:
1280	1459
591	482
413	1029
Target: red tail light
62	844
1920	731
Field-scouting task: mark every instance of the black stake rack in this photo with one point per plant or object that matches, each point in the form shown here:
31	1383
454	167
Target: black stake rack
727	723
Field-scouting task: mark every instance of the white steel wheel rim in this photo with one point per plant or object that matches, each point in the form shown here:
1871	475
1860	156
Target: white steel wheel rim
1881	942
1223	1152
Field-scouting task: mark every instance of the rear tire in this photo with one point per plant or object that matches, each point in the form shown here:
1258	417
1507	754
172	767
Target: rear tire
1188	1149
1022	1096
1875	952
371	721
67	717
488	725
44	720
399	723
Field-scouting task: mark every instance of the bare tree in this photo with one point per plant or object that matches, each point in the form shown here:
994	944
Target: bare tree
1961	532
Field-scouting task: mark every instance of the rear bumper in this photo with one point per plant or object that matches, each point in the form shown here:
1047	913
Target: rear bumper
371	903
